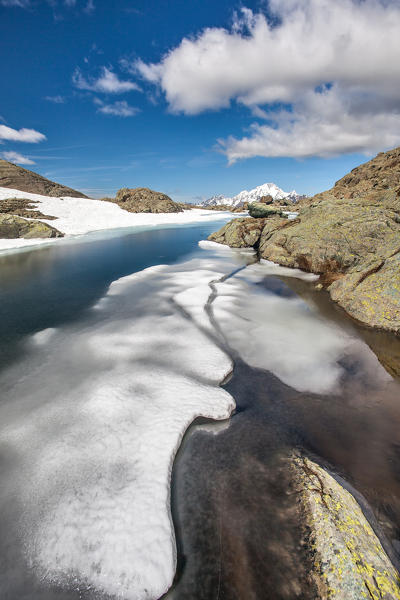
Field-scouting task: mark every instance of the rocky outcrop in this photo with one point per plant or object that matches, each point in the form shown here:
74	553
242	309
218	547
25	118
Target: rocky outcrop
350	562
262	210
239	233
144	200
18	178
12	226
23	207
351	236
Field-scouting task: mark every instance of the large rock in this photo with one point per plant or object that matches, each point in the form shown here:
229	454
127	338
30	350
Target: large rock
246	232
12	226
18	178
239	233
144	200
350	562
261	210
351	236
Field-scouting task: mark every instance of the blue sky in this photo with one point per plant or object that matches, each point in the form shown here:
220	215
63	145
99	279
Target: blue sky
140	93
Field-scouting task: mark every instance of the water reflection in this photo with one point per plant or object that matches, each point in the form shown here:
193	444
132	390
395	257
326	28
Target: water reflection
50	286
235	507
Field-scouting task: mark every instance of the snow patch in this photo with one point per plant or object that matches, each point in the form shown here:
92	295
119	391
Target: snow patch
78	216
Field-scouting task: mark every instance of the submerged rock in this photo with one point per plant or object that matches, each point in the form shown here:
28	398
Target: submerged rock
350	562
144	200
12	226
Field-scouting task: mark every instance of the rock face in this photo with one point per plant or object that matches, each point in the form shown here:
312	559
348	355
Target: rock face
349	560
18	178
12	226
239	233
351	236
143	200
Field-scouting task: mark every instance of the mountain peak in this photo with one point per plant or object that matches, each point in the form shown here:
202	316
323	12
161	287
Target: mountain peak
265	189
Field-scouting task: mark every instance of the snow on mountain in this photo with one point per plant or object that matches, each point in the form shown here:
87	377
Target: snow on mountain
253	195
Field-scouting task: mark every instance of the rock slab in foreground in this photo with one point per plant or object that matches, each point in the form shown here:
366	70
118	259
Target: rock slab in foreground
349	560
144	200
17	178
12	227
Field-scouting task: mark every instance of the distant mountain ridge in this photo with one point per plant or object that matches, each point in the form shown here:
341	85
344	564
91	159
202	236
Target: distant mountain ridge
17	178
266	189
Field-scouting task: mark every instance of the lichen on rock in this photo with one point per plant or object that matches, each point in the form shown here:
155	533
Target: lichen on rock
350	562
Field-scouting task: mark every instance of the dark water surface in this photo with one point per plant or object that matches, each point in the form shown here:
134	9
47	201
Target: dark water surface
50	286
235	507
236	515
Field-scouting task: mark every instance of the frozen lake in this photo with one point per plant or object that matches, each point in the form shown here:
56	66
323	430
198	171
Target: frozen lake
110	350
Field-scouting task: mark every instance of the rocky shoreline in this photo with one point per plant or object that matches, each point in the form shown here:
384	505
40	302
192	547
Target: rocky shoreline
349	235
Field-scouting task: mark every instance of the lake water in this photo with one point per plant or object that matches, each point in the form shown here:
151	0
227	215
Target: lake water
100	383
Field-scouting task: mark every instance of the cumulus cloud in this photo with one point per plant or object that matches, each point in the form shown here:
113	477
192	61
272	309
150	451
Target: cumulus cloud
118	109
310	52
21	135
16	157
323	123
108	82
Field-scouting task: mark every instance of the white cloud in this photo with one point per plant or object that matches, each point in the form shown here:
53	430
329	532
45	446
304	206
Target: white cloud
16	157
351	45
118	109
55	99
21	135
326	123
107	83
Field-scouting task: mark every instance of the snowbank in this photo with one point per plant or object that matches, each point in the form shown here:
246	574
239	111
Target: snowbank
77	216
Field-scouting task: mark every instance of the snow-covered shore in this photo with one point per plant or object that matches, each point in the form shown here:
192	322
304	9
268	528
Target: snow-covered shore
78	216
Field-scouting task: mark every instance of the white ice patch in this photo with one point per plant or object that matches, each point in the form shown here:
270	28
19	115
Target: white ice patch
223	249
284	335
77	216
93	421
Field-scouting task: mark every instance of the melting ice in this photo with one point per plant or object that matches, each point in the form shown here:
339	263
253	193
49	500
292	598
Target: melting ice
94	413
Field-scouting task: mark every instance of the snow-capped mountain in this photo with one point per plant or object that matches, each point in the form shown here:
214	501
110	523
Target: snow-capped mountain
267	189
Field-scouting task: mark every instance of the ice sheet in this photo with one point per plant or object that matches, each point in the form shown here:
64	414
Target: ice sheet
93	421
285	335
